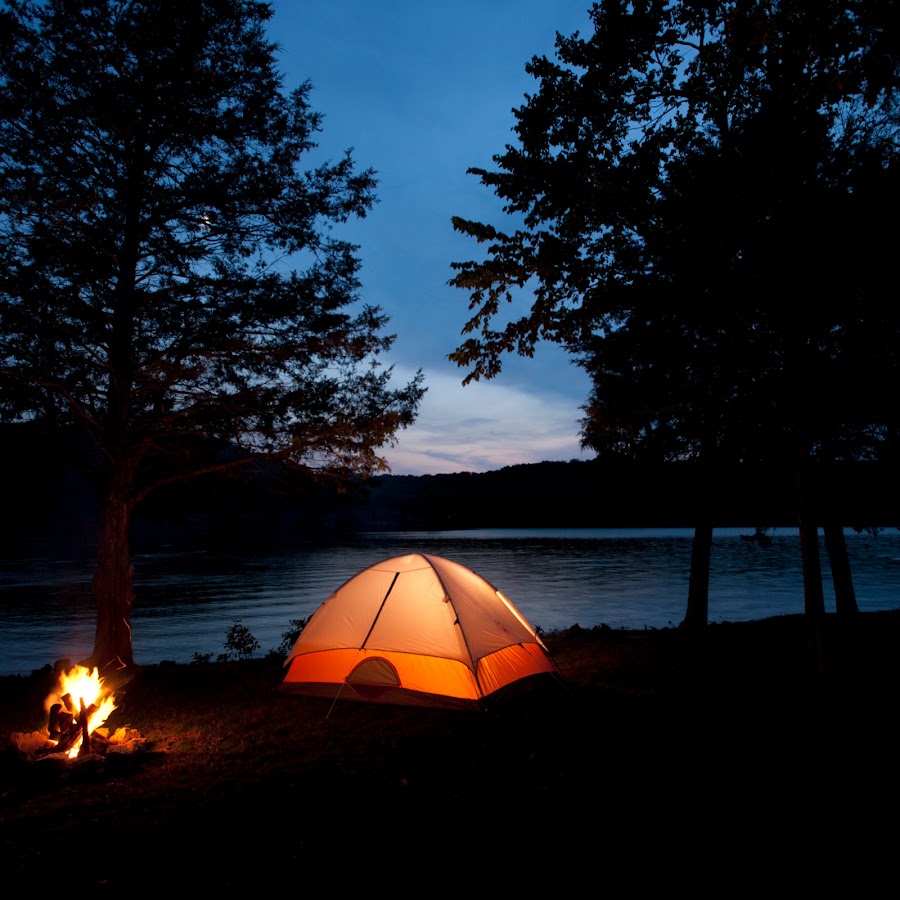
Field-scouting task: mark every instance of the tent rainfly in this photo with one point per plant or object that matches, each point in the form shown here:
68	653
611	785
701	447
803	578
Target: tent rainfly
416	630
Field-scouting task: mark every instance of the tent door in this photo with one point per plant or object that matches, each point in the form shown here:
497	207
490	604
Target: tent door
373	677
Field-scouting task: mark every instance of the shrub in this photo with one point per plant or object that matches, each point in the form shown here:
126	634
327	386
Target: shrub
289	636
240	641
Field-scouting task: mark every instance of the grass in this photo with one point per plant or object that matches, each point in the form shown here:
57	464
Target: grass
656	743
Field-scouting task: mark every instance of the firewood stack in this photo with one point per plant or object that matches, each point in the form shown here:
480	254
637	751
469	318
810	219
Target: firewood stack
67	723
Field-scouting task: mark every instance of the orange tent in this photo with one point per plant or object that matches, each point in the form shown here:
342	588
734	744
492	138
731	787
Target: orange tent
415	630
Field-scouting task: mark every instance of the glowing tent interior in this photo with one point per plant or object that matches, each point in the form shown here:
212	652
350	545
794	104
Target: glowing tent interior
416	630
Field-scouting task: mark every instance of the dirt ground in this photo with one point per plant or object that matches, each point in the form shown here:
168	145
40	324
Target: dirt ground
756	751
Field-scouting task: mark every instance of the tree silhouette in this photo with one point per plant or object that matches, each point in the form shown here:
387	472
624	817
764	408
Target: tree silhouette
172	288
697	199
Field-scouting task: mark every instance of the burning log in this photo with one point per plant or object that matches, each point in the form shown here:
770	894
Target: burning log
76	713
64	727
85	734
43	764
68	737
53	727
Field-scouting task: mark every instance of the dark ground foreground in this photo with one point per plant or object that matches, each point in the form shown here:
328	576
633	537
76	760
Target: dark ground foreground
736	762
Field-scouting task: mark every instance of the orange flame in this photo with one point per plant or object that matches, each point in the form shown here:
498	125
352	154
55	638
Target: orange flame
82	688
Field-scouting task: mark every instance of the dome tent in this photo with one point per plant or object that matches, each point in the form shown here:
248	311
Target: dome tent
416	630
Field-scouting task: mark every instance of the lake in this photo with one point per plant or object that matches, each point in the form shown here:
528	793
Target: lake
624	578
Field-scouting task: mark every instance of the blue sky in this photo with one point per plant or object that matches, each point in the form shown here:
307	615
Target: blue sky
421	91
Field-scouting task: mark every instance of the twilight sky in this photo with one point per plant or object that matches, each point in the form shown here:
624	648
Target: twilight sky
421	90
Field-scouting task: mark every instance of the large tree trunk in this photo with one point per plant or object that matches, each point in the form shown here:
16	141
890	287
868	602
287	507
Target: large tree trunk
697	615
813	596
844	593
114	577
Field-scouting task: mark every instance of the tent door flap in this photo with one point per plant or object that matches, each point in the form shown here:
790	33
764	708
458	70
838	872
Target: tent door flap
373	677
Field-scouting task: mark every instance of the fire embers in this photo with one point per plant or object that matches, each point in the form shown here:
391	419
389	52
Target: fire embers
75	744
75	710
75	741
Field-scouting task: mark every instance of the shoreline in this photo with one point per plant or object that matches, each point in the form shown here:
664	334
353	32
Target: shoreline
186	603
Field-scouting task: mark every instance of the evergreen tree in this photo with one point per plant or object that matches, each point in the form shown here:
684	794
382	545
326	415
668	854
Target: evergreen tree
172	288
698	195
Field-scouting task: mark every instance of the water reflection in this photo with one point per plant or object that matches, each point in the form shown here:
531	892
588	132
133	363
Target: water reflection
630	578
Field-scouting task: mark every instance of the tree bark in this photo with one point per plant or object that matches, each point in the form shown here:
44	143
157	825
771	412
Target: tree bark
697	615
841	576
813	596
114	576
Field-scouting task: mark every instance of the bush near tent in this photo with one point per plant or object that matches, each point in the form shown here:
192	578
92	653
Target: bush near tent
416	630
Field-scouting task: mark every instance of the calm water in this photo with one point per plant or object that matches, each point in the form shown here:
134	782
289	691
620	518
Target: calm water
624	578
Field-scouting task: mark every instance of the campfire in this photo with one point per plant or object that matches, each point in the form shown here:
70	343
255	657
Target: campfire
77	709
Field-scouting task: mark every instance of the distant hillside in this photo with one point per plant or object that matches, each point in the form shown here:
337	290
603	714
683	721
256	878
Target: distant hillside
574	494
49	501
581	494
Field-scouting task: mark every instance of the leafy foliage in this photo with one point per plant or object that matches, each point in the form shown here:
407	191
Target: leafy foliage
696	205
154	211
289	636
240	641
696	200
173	290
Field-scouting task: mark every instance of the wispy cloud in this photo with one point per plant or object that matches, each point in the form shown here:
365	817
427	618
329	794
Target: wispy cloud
421	134
485	426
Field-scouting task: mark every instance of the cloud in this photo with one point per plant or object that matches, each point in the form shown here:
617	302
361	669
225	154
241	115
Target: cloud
393	86
485	426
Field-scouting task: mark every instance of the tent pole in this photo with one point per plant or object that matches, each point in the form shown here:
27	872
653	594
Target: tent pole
362	646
